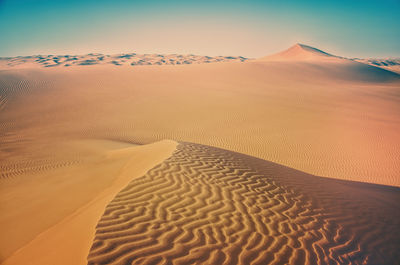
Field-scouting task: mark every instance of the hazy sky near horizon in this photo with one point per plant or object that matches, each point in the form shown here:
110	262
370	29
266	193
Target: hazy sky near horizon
251	28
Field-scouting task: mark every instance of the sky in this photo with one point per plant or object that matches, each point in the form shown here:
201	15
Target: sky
250	28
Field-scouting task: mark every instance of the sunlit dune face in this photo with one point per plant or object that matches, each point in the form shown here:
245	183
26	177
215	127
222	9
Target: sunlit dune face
82	160
311	116
182	132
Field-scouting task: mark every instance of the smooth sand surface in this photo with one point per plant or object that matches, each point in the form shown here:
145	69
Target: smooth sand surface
64	206
68	145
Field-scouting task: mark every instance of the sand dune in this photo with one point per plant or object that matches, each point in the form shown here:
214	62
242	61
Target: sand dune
60	207
211	206
69	141
300	52
336	119
388	64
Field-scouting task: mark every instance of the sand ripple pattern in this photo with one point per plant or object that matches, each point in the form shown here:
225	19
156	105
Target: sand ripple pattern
206	205
11	171
11	87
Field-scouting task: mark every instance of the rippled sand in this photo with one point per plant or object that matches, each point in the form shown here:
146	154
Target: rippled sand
309	141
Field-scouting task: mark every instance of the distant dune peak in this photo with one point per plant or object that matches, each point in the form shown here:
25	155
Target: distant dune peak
300	52
306	48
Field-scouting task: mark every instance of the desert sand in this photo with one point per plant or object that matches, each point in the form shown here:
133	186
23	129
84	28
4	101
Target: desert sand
121	163
131	59
391	64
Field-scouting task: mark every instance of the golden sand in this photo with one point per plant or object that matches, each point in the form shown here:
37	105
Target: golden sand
75	187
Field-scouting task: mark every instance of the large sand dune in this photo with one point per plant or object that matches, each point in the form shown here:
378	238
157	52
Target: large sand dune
335	118
211	206
300	52
68	139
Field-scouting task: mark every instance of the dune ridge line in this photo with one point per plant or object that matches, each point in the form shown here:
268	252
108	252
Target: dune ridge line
206	205
73	235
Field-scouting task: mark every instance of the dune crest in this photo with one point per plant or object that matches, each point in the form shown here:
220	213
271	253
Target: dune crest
300	52
36	218
68	135
388	64
206	205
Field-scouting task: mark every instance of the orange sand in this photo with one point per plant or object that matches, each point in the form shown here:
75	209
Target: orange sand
67	147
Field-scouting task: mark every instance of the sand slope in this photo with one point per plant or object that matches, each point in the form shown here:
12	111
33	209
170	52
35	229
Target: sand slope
304	53
60	207
206	205
300	52
336	119
388	64
68	145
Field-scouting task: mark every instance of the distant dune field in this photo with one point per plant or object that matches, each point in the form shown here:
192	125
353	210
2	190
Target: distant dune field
131	59
318	113
131	156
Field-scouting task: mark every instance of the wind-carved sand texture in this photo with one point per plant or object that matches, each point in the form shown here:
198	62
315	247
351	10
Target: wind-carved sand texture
206	205
305	109
72	137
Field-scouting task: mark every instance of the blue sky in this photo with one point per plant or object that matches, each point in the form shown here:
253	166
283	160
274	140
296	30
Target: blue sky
252	28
